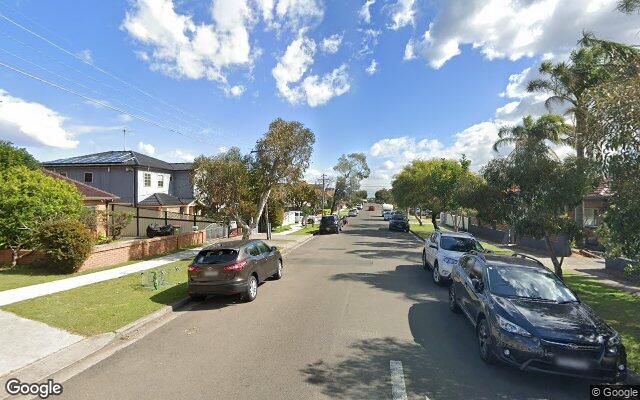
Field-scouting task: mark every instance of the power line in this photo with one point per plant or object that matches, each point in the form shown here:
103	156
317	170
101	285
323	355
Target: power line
101	103
105	72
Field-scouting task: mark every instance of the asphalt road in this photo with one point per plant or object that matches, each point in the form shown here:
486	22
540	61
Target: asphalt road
354	317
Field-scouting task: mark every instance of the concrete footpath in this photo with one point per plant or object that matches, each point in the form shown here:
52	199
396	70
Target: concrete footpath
34	350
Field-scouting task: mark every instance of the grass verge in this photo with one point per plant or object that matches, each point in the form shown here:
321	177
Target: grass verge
425	230
308	230
105	306
282	228
621	310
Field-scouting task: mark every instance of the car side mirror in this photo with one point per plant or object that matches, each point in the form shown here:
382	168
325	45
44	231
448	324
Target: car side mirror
477	285
274	248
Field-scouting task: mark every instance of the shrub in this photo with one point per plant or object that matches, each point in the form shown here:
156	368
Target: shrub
66	244
276	216
116	222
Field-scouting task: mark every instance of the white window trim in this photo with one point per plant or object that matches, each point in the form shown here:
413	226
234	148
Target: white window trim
160	181
144	179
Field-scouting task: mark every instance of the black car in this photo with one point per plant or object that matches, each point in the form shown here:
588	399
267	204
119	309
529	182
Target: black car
330	224
233	267
399	222
526	317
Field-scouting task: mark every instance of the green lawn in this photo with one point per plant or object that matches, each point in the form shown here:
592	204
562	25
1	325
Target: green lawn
308	230
426	230
105	306
282	228
25	275
621	310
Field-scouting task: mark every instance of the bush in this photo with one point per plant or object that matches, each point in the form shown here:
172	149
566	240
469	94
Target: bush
276	216
66	244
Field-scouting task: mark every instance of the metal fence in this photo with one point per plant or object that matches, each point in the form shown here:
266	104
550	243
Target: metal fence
216	231
143	217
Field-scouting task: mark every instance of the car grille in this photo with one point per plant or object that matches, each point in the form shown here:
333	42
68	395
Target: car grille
581	350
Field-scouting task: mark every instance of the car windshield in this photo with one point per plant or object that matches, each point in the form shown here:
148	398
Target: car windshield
217	256
398	217
531	283
460	244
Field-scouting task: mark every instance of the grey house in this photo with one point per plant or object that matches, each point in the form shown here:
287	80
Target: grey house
138	179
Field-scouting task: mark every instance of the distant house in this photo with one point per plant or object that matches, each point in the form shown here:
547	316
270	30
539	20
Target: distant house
137	179
94	198
594	205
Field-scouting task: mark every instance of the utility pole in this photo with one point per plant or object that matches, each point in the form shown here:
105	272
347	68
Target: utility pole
125	132
323	190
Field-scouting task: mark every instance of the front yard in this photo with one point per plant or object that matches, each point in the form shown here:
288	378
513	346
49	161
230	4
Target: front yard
308	230
105	306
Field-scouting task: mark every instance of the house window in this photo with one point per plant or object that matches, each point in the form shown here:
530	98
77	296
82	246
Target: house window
160	180
88	177
147	179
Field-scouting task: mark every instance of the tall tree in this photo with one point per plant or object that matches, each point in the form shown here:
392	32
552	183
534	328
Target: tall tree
351	168
11	156
533	133
383	196
629	6
299	193
239	185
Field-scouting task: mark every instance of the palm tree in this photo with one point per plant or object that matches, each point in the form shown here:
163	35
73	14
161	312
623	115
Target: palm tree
629	6
535	134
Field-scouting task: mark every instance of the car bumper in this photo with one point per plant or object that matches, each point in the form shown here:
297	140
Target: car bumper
216	288
396	227
329	230
532	354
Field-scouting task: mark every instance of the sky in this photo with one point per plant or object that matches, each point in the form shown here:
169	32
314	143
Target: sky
396	79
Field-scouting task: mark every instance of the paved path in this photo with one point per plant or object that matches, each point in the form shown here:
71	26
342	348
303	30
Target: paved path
355	317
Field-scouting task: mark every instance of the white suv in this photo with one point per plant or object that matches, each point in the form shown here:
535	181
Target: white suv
442	250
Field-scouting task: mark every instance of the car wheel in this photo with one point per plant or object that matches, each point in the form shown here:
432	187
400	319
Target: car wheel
425	265
278	274
485	344
437	279
453	303
251	292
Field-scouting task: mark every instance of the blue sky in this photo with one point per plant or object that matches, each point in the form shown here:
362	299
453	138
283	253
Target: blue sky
447	73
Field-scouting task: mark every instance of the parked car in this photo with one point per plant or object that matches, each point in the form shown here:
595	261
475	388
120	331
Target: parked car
526	317
359	207
399	222
353	212
372	208
235	267
386	207
311	219
442	250
387	215
330	224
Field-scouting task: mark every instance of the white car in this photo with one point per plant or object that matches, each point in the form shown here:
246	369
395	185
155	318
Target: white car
442	250
353	212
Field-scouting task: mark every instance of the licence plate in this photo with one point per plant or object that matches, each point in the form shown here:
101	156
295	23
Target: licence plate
210	274
572	363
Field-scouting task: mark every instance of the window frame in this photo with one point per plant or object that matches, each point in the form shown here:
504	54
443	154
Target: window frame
90	175
160	181
144	179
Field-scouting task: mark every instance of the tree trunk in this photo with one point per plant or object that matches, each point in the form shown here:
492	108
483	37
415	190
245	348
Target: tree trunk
15	255
433	220
581	132
261	205
419	218
557	264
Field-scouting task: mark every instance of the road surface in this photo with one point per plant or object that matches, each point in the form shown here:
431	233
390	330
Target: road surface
355	317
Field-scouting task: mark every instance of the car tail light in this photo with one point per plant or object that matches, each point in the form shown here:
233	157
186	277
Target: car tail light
194	268
239	266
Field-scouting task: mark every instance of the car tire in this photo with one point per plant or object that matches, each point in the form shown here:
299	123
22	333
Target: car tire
279	273
485	343
453	303
425	264
435	275
251	292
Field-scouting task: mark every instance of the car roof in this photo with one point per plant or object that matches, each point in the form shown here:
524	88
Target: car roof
457	234
232	244
512	261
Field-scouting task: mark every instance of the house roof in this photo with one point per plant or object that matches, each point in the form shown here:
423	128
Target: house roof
164	199
603	191
122	157
88	192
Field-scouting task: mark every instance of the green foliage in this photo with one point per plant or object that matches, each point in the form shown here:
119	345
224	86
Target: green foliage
533	133
299	192
629	6
116	222
384	196
28	198
276	215
351	169
66	244
11	156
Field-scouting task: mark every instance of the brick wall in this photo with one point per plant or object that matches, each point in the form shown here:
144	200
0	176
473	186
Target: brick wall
119	252
6	256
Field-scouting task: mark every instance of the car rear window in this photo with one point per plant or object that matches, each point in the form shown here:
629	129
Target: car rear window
216	256
328	219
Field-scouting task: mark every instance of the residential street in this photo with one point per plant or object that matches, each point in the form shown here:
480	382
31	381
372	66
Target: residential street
349	307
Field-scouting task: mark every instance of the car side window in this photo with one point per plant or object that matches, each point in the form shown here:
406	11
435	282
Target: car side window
264	249
253	250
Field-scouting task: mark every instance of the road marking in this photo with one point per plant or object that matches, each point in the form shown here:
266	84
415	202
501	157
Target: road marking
398	389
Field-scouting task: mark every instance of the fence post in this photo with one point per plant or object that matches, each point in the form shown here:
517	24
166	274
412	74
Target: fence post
194	221
166	221
137	221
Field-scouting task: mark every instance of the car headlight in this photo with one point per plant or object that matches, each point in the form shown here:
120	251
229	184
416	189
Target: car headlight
614	340
449	260
511	327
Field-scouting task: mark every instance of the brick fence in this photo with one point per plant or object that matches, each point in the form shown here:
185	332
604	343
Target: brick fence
105	255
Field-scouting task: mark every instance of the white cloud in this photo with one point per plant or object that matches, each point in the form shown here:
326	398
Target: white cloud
179	47
331	44
146	148
125	118
515	28
85	55
32	123
368	43
365	11
315	90
180	155
82	129
403	13
234	91
290	14
372	68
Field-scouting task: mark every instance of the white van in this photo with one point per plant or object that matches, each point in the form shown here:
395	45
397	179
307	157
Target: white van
386	207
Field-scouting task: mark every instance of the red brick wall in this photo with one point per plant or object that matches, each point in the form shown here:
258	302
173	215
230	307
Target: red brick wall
6	257
115	253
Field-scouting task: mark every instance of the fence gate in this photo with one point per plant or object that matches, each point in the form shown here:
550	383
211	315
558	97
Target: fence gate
215	231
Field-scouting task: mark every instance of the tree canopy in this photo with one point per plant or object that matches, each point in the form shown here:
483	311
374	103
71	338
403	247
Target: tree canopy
383	196
11	156
351	168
